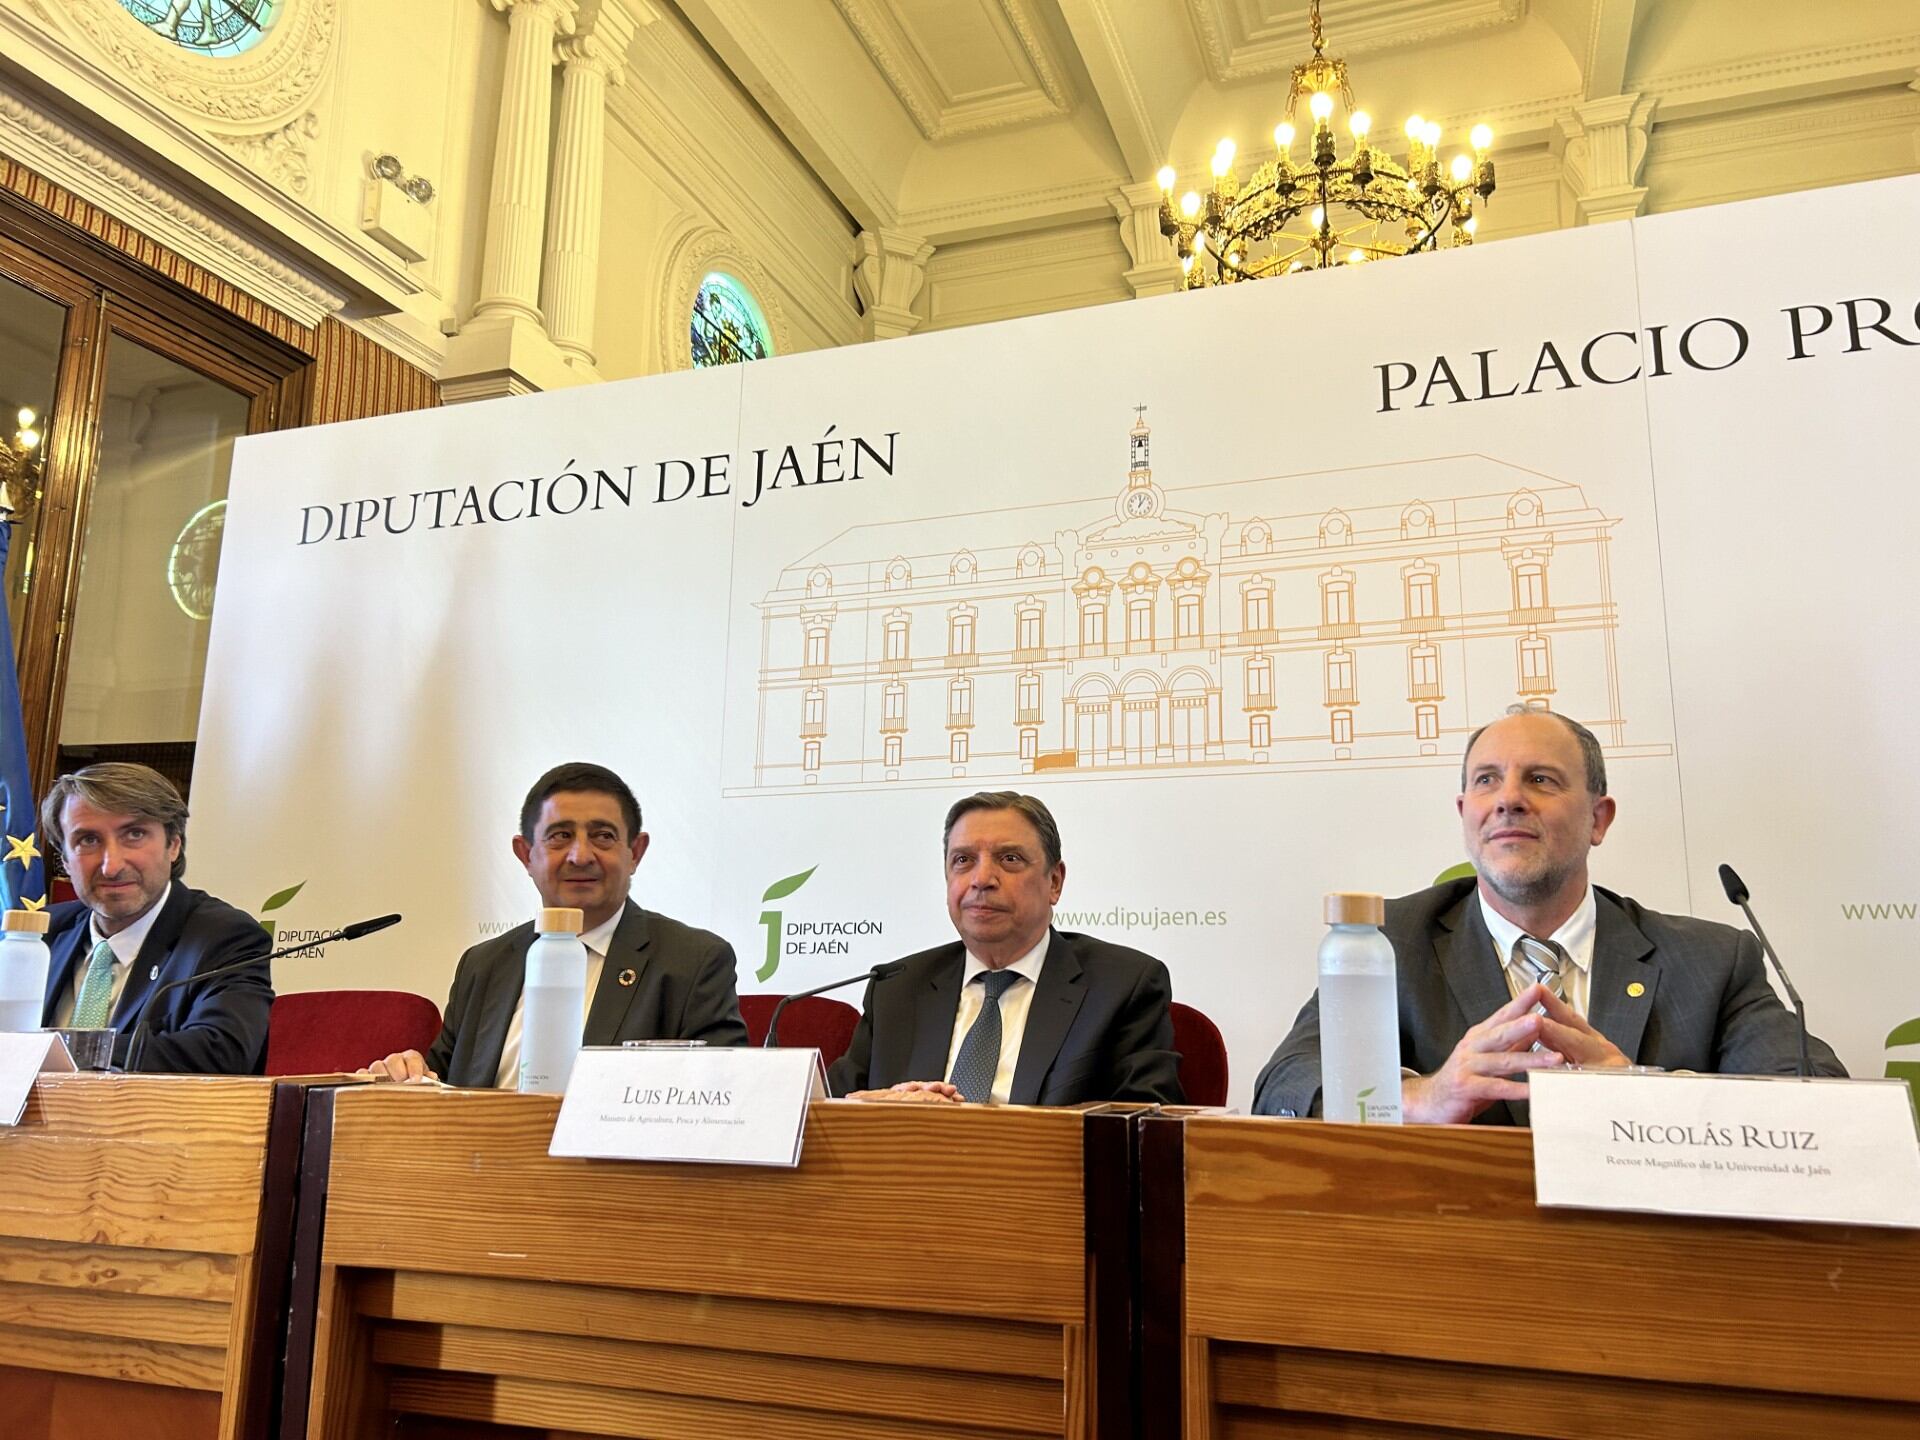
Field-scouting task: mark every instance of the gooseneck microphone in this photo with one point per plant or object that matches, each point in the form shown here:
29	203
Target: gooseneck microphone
137	1045
1738	894
773	1023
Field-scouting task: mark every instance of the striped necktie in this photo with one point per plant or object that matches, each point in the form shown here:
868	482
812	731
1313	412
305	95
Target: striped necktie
96	990
979	1058
1543	963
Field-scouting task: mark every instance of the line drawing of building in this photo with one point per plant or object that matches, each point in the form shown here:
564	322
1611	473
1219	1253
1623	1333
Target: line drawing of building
1365	617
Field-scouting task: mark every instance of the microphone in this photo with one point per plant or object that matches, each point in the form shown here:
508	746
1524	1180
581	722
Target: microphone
1737	893
773	1023
137	1045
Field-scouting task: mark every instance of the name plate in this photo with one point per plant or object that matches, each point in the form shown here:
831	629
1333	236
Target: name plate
23	1055
1743	1147
727	1105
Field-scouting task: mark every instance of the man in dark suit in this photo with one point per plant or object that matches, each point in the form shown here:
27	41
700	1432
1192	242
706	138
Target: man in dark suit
122	831
1527	965
1015	1012
648	977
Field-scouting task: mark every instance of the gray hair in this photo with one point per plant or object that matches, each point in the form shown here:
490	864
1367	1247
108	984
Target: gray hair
1590	753
120	788
1035	812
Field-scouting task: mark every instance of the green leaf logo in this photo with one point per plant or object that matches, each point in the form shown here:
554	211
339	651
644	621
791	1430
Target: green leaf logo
780	889
275	901
1368	1091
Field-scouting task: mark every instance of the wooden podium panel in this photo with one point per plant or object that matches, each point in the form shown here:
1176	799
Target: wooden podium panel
1400	1282
922	1275
130	1220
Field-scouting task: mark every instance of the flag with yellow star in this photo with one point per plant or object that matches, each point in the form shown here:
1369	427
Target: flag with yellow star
23	875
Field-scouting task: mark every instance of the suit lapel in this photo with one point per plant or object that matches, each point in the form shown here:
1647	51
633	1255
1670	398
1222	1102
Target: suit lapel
78	939
1622	958
1474	974
155	951
1056	1000
509	978
626	950
934	1009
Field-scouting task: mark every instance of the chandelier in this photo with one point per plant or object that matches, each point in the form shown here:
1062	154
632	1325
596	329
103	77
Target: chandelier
1365	207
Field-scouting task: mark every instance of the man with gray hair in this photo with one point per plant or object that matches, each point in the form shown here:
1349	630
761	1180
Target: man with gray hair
122	832
1526	965
1015	1012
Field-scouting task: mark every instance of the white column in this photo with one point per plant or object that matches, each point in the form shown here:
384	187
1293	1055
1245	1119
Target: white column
593	59
517	201
889	269
1603	148
1155	269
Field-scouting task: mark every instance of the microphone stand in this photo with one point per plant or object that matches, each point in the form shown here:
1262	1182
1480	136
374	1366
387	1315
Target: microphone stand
773	1023
1738	894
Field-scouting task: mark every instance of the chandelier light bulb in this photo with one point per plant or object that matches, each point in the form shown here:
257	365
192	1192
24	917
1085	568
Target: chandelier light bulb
1431	134
1190	204
1462	167
1283	135
28	437
1416	127
1480	138
1200	242
1166	177
1223	159
26	416
1354	257
1472	224
1233	257
1321	105
1186	264
1319	216
1360	123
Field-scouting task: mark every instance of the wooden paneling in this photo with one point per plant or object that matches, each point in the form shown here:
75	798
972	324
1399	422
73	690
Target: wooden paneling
352	378
922	1275
129	1218
1403	1282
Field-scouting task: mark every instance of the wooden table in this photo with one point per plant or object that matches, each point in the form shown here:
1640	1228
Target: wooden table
143	1230
1380	1281
922	1275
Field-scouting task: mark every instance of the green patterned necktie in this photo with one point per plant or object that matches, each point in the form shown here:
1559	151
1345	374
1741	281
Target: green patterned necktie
979	1058
96	991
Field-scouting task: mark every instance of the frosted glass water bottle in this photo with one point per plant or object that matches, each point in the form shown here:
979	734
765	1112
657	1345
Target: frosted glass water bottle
1359	1014
553	1013
24	962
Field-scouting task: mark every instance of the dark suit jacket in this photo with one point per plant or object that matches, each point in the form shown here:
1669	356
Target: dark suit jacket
1706	1004
1099	1027
683	990
216	1028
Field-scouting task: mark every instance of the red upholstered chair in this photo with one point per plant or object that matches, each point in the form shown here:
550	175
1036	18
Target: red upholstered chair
827	1025
320	1032
1203	1056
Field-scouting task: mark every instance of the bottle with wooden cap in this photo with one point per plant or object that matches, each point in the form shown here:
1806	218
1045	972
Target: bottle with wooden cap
24	963
553	1014
1359	1014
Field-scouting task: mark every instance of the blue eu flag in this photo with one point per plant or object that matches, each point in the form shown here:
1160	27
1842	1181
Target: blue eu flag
23	879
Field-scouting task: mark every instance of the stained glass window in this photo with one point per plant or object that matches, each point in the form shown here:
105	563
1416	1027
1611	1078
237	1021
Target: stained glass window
727	326
206	27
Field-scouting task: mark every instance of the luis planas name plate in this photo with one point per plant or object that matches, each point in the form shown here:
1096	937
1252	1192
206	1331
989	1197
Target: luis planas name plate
1841	1152
726	1105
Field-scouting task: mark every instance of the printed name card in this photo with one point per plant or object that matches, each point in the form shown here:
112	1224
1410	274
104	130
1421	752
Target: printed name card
23	1055
1743	1147
726	1105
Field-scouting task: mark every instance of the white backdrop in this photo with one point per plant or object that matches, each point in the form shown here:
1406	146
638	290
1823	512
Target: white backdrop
1710	565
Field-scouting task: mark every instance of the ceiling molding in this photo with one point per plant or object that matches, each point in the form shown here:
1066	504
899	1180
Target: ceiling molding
981	218
1235	50
1762	79
913	71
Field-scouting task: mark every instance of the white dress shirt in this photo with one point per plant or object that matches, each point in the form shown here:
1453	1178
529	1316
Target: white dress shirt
596	940
126	949
1575	937
1014	1005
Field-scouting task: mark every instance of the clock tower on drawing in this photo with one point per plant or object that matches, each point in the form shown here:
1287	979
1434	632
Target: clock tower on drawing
1142	499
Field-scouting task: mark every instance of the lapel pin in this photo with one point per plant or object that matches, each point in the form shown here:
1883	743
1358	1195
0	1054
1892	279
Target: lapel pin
1636	989
154	973
627	977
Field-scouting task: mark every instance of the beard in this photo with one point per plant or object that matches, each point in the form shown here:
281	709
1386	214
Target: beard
1527	885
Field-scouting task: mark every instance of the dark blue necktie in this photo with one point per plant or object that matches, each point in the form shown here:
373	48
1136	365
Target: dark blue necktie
979	1058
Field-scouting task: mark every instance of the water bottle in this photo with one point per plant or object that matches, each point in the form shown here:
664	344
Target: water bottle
1359	1014
553	1013
24	962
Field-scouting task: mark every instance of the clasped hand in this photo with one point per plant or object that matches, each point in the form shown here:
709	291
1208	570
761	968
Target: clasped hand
1486	1066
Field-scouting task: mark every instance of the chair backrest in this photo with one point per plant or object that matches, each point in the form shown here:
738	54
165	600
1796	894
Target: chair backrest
320	1032
827	1025
1203	1056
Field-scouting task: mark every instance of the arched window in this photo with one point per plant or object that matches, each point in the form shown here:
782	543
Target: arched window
212	27
726	326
